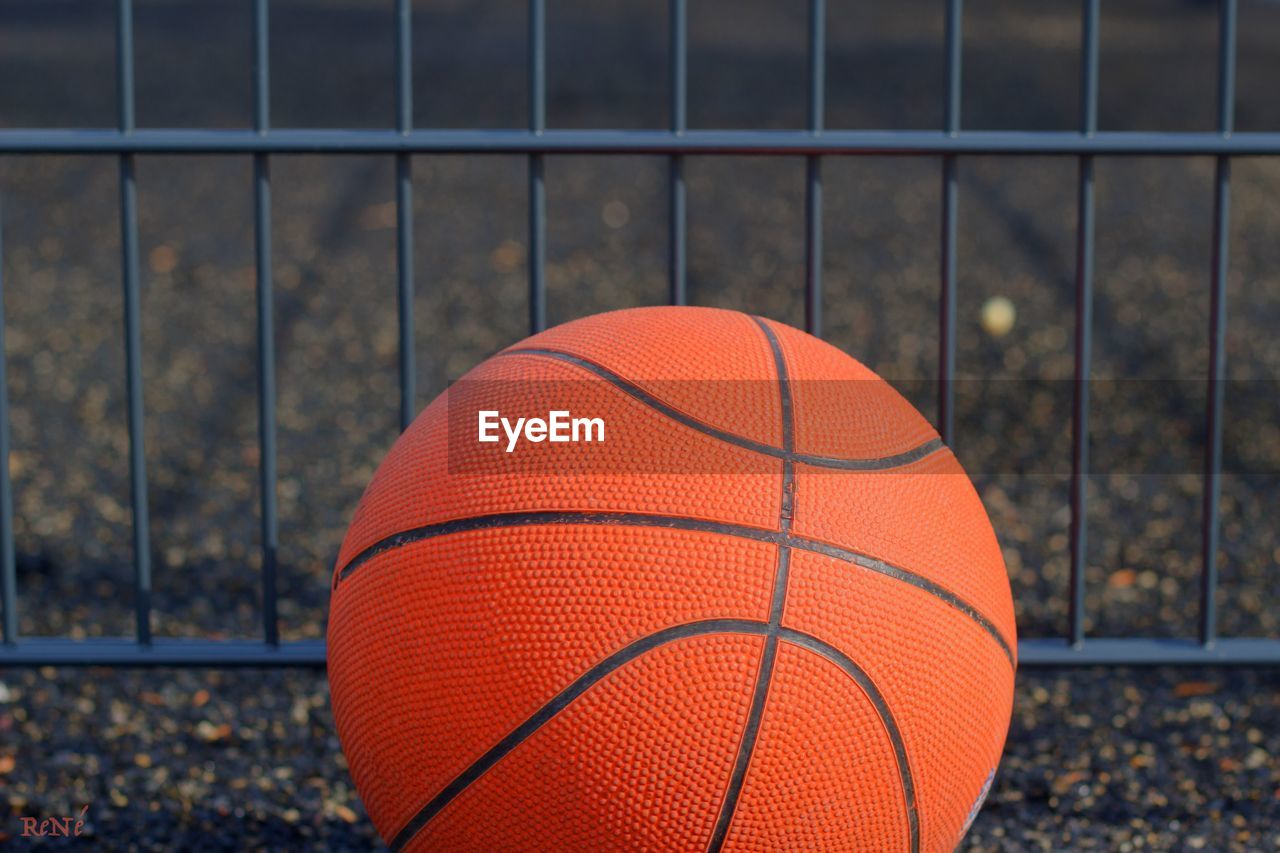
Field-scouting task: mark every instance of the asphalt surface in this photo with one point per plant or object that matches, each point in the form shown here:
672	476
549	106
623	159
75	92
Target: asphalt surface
1101	758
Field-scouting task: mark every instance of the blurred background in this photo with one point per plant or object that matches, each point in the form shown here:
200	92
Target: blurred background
334	270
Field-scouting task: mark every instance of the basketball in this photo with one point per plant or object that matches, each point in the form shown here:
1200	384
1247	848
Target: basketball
671	579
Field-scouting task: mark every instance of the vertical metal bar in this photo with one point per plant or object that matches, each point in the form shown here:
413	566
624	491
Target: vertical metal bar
266	329
947	298
1217	328
537	189
1084	324
677	240
813	170
404	212
124	65
8	562
133	330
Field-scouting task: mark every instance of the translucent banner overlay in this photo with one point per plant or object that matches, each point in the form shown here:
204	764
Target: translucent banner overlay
1139	427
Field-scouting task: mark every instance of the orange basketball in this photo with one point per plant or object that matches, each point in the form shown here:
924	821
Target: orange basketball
763	609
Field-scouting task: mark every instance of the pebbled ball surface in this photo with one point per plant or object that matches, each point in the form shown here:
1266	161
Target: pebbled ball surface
767	612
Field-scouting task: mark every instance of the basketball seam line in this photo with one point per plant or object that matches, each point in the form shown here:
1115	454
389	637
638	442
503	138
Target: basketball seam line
860	676
896	460
672	522
614	662
786	509
775	622
558	703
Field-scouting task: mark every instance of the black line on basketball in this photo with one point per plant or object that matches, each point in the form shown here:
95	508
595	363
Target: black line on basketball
671	522
562	700
747	745
786	511
898	573
550	517
848	464
868	686
784	387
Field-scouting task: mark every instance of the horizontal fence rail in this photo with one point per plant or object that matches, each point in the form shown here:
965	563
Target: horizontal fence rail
657	142
813	143
1036	652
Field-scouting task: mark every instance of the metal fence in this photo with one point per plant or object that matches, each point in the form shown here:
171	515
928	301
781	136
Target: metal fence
814	143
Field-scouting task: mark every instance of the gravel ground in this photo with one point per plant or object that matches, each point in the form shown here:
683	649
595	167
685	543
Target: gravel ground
1105	758
1116	760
